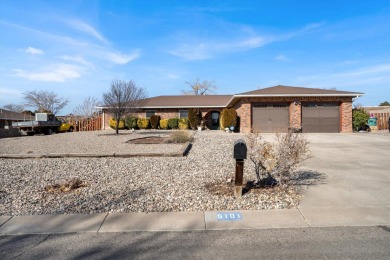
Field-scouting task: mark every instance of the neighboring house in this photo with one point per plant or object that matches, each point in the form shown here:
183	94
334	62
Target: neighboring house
377	109
382	113
269	110
6	119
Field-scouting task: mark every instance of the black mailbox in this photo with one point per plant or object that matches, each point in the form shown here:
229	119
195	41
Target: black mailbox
240	150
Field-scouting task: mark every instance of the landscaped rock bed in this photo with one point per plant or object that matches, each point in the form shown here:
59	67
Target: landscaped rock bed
132	184
88	142
149	140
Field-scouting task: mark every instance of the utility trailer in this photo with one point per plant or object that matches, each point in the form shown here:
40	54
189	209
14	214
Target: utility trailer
44	123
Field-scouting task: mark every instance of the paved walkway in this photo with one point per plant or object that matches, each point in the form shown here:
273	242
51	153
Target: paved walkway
185	221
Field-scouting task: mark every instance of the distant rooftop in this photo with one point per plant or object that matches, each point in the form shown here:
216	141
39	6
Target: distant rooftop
11	115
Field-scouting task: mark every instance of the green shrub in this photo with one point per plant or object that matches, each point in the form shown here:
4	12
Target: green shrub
154	121
194	117
164	123
359	118
180	137
143	123
228	118
183	123
131	122
173	123
112	123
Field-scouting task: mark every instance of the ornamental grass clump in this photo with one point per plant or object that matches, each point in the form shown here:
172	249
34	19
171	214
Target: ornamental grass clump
274	162
180	137
67	186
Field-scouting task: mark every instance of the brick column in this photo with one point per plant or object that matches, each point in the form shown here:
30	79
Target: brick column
346	117
243	109
295	115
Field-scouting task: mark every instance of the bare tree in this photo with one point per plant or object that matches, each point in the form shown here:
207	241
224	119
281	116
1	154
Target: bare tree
87	108
45	101
200	88
14	108
124	97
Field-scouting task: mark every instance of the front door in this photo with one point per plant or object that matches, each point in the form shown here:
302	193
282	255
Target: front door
214	124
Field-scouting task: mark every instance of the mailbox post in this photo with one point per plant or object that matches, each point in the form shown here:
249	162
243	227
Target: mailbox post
239	153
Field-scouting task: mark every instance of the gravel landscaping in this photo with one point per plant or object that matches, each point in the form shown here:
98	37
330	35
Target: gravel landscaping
141	184
86	142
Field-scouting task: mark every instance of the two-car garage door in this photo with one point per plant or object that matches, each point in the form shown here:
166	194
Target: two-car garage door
320	118
316	117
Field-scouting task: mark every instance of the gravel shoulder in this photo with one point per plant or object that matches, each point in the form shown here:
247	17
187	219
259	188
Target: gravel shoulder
139	184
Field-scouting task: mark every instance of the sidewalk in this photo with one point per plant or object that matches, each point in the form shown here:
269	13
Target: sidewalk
191	221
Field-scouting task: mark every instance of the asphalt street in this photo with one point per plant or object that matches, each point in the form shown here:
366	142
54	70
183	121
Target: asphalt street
292	243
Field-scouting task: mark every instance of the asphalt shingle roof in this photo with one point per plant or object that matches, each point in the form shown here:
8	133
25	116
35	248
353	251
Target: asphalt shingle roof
288	90
187	101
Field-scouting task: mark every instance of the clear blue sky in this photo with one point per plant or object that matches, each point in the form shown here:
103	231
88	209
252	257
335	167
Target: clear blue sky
75	48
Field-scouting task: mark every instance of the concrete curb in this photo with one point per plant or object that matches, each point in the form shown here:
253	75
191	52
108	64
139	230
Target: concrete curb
182	152
195	221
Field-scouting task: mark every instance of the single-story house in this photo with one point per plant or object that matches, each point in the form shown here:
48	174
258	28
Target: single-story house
268	110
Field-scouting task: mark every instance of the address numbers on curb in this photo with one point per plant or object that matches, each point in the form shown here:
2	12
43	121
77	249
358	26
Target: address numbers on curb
229	216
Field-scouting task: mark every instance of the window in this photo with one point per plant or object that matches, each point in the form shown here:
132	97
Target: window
150	113
183	114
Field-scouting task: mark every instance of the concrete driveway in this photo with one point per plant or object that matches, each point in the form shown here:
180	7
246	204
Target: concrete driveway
356	186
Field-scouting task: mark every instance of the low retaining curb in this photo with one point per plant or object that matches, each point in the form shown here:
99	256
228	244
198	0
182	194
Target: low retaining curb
183	152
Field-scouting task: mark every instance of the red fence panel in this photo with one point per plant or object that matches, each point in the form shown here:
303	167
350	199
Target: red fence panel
382	120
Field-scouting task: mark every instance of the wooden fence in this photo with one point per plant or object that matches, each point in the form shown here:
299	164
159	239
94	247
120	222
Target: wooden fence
382	120
86	124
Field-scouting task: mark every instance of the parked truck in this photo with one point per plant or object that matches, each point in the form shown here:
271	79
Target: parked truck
44	123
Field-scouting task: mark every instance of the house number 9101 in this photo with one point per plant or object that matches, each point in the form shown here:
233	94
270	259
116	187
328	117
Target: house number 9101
229	216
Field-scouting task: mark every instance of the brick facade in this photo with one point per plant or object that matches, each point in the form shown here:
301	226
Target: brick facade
168	113
244	111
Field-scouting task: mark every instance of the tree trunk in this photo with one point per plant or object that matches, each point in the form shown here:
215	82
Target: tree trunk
117	126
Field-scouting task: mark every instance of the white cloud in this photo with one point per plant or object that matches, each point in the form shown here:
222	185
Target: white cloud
282	57
251	43
77	59
56	73
47	36
33	51
207	49
241	38
364	71
119	58
84	27
363	76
